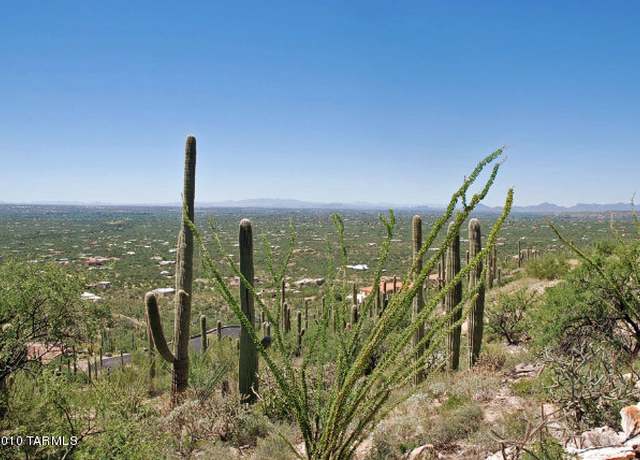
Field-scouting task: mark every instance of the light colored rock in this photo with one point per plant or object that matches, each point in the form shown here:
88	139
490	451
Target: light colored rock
426	452
604	453
598	437
510	454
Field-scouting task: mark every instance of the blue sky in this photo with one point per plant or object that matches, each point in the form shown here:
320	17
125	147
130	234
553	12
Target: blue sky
321	101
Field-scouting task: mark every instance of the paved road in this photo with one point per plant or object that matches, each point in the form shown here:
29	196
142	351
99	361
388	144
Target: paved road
113	362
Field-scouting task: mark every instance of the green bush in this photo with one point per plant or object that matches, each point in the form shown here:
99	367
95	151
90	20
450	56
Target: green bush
456	422
507	316
547	267
598	302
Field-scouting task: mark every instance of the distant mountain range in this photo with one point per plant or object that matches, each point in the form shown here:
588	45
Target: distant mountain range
275	203
542	208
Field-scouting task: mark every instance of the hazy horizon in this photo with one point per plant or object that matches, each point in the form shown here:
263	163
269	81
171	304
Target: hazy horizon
326	102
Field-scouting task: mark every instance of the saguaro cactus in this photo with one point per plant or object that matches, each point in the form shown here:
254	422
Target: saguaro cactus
184	282
203	333
476	318
152	356
452	302
519	253
418	301
248	375
300	332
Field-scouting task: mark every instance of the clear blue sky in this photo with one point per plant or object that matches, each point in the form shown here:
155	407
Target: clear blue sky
321	101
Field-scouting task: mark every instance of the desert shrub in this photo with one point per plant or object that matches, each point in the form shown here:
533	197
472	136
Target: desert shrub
548	267
589	385
276	445
39	304
548	448
507	316
492	358
112	421
597	302
529	388
456	422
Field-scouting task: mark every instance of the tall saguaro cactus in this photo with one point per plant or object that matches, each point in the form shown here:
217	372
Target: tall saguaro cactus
184	281
418	301
452	302
476	318
248	375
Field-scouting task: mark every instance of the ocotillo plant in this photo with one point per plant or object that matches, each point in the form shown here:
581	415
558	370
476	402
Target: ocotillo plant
476	317
452	300
418	300
248	374
354	315
184	281
283	306
203	333
335	418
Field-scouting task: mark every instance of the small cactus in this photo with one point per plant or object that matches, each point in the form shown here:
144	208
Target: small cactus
286	318
452	302
203	333
300	332
476	318
248	373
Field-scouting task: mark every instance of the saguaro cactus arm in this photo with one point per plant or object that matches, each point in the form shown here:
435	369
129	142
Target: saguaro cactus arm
155	327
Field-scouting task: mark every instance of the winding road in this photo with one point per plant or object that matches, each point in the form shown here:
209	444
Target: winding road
113	362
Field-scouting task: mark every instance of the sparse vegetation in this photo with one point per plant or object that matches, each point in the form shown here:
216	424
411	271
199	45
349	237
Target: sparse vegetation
334	365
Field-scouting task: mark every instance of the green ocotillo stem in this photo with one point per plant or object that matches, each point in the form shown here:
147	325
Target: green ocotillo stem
203	332
283	306
476	318
184	275
219	329
418	300
324	309
452	301
248	373
306	313
377	299
354	294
